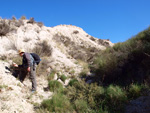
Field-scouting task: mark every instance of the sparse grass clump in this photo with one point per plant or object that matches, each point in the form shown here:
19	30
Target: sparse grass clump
63	78
3	86
43	49
134	91
51	76
59	104
42	66
73	82
55	86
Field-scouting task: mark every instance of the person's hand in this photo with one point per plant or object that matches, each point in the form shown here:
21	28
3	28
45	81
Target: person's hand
15	65
28	69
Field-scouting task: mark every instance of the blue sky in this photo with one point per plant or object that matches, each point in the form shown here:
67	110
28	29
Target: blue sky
117	20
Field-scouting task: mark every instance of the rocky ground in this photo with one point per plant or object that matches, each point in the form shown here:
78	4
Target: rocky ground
140	105
16	97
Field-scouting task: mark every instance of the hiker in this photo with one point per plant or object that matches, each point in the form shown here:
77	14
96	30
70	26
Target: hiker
28	66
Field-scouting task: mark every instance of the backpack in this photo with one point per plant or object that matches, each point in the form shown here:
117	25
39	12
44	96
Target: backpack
36	58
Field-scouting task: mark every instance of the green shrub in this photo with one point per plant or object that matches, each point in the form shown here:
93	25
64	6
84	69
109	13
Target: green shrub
115	65
81	106
115	98
63	78
92	94
51	76
83	74
55	86
134	91
73	82
115	92
59	104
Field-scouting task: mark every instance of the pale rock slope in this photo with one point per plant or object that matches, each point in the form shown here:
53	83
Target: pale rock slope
65	41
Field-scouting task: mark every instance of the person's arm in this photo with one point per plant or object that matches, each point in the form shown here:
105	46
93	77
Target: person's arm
15	65
27	55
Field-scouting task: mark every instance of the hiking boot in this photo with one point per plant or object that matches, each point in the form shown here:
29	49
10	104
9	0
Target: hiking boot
33	91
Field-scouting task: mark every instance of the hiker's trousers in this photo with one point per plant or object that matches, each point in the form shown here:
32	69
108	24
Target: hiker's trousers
32	76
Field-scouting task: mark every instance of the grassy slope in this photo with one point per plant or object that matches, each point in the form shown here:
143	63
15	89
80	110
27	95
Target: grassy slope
126	62
119	69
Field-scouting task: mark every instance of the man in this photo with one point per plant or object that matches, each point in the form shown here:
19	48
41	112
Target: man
27	67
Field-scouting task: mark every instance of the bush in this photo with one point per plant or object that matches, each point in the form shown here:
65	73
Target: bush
55	86
134	91
75	32
115	65
73	82
59	104
23	18
91	94
18	23
51	76
4	28
41	68
115	93
43	49
14	18
31	21
63	78
115	98
81	106
40	24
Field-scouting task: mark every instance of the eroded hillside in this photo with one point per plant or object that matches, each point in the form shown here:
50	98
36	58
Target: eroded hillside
62	46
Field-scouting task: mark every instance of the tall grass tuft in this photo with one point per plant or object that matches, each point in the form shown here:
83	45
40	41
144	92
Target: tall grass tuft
134	91
73	82
51	76
81	106
115	98
55	86
63	78
59	104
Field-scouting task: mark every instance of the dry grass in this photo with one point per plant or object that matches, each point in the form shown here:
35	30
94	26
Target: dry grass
4	28
43	49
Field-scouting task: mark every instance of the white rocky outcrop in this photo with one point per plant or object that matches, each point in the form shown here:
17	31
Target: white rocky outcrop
64	40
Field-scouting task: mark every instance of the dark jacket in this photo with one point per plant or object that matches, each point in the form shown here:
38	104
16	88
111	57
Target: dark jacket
26	60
